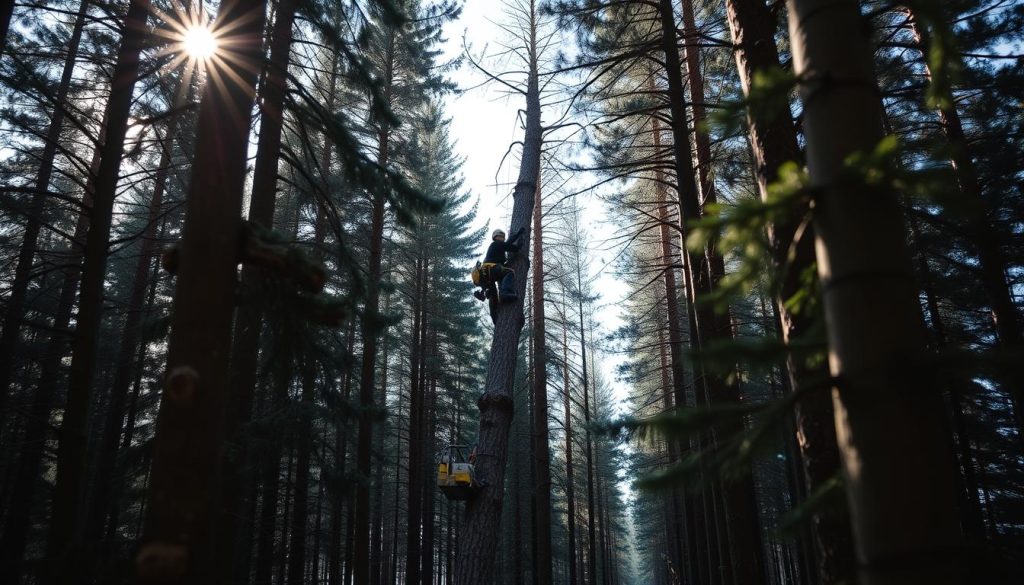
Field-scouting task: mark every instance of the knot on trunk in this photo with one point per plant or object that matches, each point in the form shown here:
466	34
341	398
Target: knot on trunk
181	385
161	562
495	402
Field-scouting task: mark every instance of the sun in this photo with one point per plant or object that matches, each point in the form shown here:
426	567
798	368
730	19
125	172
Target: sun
199	42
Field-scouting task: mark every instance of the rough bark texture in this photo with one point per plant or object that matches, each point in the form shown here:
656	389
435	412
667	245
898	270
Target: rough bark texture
742	526
478	540
773	143
106	492
889	419
179	539
238	473
541	449
63	541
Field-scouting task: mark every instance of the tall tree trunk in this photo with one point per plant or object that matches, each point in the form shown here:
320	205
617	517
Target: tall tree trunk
64	538
591	522
15	308
889	421
743	529
427	549
105	491
773	142
300	515
12	546
179	542
570	480
370	335
238	472
416	419
479	539
541	449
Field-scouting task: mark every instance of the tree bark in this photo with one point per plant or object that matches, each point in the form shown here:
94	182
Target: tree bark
479	535
743	529
773	143
370	334
889	421
179	542
29	464
105	491
64	537
570	480
541	448
238	473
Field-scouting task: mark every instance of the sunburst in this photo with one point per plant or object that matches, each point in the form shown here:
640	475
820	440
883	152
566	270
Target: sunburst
200	44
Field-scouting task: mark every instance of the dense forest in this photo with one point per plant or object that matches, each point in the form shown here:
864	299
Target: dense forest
753	317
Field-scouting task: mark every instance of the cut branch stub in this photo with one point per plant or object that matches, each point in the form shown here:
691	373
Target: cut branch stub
170	258
326	311
181	385
264	248
162	561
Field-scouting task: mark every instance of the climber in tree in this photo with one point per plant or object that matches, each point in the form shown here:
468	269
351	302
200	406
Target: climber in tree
496	280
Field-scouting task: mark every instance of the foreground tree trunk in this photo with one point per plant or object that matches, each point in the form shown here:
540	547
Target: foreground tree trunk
178	543
239	475
900	474
64	534
744	552
773	142
478	539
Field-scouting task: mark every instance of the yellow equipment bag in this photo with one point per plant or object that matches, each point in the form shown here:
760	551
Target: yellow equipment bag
481	273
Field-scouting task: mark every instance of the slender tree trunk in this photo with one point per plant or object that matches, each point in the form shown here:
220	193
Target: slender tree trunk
889	420
773	142
570	480
370	334
300	514
64	538
238	472
15	308
179	542
106	491
541	449
743	529
481	527
29	464
416	419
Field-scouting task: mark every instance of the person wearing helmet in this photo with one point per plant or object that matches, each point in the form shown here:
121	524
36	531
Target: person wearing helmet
499	283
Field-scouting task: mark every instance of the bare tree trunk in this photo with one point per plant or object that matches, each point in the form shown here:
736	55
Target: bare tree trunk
64	538
889	420
370	335
238	472
541	449
15	309
17	523
416	420
773	142
179	541
479	539
570	480
743	529
105	491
